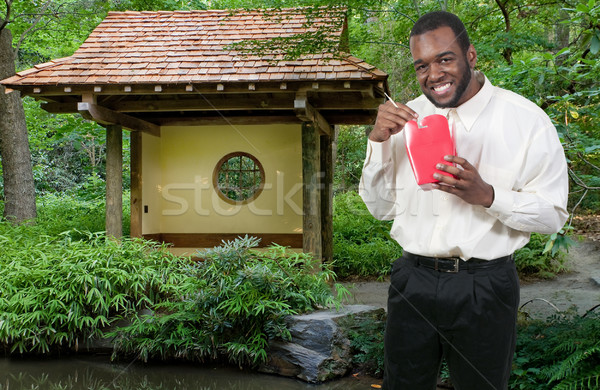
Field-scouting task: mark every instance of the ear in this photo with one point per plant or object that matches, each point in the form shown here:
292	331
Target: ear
472	56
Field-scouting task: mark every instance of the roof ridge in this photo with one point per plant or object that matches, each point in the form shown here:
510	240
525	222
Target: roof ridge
339	9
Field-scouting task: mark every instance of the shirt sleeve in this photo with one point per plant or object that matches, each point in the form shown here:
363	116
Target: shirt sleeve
377	180
538	203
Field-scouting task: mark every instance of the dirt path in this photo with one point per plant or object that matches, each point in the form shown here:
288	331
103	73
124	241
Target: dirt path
580	287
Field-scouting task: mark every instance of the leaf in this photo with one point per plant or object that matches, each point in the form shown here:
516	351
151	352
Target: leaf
582	8
595	44
548	246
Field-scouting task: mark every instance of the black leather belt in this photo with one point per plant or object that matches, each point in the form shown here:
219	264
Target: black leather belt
454	264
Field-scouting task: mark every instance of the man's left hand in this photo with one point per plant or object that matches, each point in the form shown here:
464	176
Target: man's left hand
464	183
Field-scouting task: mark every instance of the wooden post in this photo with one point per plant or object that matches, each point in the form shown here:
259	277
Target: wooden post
136	183
327	197
311	198
114	181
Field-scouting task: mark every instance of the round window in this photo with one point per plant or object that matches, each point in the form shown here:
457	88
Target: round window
238	178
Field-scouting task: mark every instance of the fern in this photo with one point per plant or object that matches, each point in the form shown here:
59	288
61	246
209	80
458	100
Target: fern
562	353
582	382
575	363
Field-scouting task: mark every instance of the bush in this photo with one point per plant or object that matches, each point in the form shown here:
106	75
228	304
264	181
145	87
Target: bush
362	245
534	259
230	305
367	346
57	292
59	213
562	353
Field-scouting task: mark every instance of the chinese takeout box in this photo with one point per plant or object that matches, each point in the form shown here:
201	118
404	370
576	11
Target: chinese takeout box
426	144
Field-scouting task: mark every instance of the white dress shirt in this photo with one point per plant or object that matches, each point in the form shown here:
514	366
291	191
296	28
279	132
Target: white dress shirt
514	146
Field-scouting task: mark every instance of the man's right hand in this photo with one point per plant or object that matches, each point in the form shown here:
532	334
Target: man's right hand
391	120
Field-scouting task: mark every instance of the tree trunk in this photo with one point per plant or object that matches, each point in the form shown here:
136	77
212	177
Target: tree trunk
507	52
19	188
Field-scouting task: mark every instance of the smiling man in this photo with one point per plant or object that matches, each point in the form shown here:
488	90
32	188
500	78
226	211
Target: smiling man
454	293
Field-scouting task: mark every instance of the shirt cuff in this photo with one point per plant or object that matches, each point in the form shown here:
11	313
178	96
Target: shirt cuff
503	203
379	151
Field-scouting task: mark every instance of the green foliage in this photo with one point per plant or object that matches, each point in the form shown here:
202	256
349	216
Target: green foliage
57	292
351	151
367	345
68	152
59	213
563	353
362	245
536	259
230	304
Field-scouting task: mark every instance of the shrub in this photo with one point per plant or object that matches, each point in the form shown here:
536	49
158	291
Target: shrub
534	259
367	345
59	213
562	353
230	305
56	292
362	245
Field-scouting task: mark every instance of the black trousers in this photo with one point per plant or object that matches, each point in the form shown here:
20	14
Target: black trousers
468	317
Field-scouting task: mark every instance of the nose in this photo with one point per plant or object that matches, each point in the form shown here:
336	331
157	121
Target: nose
435	72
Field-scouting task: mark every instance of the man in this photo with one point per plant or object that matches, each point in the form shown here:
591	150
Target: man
455	291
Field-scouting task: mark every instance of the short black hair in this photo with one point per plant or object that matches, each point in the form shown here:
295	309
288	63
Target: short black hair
436	19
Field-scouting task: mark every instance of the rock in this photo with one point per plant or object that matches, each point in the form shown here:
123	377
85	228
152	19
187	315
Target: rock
595	279
105	345
319	349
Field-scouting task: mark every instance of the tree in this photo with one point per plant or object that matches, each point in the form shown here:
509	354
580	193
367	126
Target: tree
19	188
51	23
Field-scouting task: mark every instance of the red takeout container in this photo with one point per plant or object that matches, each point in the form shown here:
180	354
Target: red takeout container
427	145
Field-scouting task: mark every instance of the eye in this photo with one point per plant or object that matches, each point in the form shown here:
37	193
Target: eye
420	68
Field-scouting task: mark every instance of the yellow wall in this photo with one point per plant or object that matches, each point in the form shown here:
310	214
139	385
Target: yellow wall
151	183
177	180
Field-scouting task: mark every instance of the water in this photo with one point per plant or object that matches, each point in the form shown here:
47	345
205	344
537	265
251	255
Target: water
97	373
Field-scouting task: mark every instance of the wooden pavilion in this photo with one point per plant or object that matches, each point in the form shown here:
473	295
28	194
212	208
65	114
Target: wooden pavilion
223	143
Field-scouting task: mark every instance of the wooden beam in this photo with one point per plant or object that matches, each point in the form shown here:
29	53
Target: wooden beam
308	113
235	120
311	198
204	88
208	240
326	176
135	151
60	108
114	181
231	103
368	92
105	116
209	103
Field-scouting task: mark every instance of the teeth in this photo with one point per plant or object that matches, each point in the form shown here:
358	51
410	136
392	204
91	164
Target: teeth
441	88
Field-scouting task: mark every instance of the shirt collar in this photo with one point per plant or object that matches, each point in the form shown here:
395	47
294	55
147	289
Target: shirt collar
469	111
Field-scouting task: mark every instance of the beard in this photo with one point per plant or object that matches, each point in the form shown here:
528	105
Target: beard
460	89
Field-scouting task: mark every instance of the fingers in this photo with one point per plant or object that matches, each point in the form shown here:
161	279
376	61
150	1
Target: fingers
391	119
465	183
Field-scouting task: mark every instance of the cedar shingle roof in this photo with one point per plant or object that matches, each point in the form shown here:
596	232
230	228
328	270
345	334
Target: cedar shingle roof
192	47
148	69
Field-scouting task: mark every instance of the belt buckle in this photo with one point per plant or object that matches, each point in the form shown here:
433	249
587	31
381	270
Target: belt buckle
455	266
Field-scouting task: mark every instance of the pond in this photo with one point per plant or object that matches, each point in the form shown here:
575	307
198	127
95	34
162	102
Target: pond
97	373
